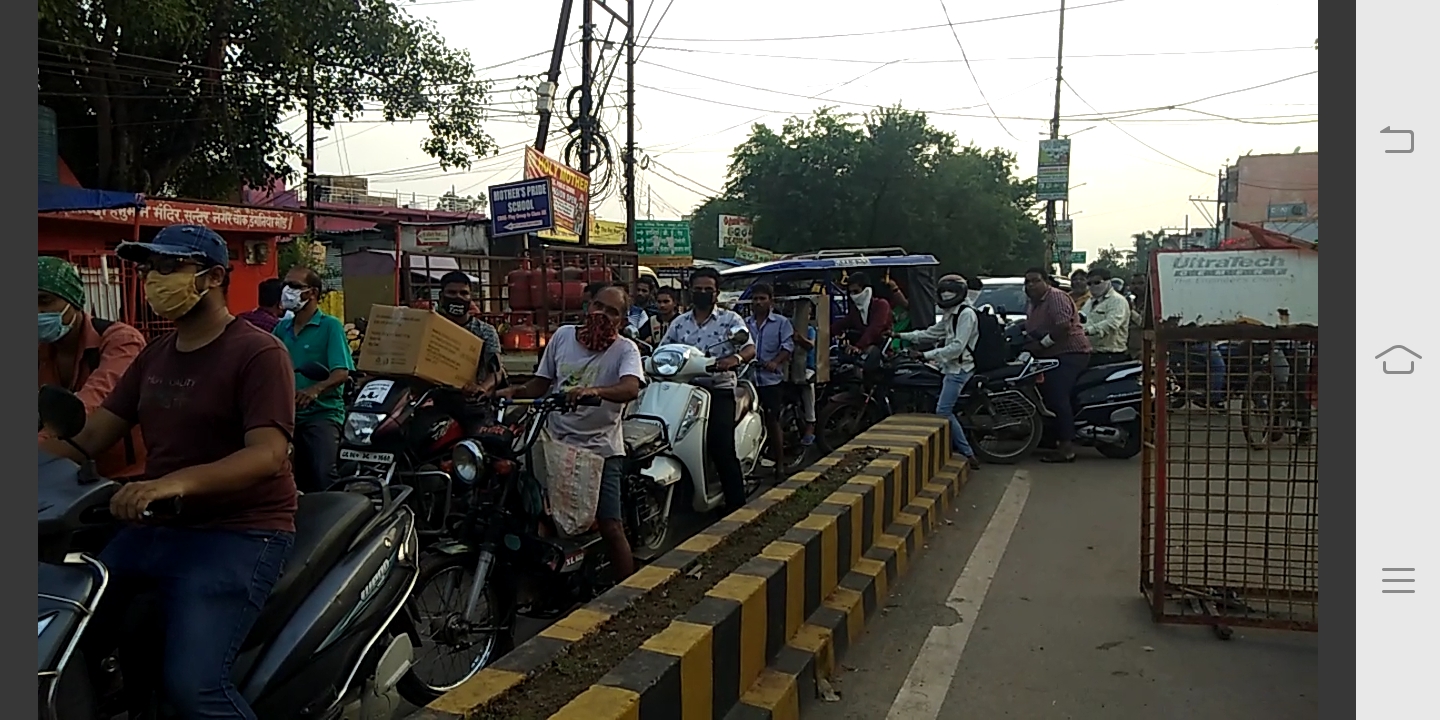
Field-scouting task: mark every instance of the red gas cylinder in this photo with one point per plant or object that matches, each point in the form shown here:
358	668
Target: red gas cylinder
544	285
520	337
519	281
573	294
597	272
571	273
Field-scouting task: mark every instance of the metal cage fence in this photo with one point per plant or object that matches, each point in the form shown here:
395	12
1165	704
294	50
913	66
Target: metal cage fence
1230	489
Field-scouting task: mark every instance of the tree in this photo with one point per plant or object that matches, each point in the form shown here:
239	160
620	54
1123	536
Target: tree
883	179
450	202
1120	263
184	97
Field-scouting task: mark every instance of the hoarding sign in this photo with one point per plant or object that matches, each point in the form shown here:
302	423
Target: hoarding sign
1052	177
1210	287
569	195
735	230
1068	258
750	253
606	232
1064	236
662	238
520	207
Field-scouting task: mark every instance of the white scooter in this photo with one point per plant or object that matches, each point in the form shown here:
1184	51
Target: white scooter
671	404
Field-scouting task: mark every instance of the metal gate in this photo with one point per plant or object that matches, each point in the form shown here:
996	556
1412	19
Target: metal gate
116	291
1230	515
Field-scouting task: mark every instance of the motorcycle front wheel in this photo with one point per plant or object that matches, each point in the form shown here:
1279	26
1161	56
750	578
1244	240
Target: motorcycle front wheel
452	649
840	422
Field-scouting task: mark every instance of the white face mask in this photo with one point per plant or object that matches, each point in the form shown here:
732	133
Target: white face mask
291	299
862	298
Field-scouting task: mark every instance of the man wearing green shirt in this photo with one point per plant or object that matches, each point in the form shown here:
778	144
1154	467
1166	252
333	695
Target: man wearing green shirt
312	336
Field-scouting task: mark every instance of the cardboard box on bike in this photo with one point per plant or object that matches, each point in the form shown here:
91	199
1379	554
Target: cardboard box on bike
418	343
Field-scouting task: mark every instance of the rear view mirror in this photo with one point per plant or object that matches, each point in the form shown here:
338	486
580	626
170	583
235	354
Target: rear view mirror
61	412
739	336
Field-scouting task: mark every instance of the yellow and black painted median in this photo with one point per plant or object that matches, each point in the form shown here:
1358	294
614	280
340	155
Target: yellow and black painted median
741	620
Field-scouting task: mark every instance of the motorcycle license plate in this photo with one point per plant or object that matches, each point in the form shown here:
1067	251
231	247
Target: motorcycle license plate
366	456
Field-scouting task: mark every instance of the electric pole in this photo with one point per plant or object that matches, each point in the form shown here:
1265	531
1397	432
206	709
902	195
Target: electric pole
649	198
552	76
1050	246
310	153
629	158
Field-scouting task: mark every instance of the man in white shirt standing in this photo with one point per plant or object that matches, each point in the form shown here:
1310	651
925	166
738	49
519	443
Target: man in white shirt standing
952	342
1107	320
592	360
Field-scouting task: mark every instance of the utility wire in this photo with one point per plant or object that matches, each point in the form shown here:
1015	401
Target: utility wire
663	13
947	61
1154	149
891	31
976	80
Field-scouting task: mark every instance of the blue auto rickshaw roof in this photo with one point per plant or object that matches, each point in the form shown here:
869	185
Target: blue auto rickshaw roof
803	264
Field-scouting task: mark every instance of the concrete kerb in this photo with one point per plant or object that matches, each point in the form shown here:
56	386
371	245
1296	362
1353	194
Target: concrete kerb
754	646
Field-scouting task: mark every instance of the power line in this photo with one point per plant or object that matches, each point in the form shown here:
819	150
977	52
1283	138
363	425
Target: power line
1123	116
947	61
676	173
653	30
886	32
1158	151
976	80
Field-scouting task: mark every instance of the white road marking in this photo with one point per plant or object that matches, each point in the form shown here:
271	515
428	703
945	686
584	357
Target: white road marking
923	693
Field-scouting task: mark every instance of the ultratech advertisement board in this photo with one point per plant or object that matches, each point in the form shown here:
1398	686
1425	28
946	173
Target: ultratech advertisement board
1217	287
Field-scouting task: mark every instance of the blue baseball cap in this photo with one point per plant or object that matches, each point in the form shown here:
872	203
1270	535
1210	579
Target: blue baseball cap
189	242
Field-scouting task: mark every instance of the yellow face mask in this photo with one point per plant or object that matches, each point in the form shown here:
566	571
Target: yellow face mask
173	295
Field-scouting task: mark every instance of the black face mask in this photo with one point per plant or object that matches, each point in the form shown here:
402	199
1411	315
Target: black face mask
455	308
703	299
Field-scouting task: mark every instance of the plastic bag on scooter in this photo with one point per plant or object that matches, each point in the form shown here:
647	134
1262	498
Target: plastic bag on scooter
571	476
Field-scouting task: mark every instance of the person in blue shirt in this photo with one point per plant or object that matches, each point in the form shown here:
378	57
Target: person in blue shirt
774	337
312	336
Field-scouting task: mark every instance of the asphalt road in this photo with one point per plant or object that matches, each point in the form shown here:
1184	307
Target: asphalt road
1026	605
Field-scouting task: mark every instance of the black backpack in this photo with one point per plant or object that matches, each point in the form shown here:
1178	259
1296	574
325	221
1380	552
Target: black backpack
990	351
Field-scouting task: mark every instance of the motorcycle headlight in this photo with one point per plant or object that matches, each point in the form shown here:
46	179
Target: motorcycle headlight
360	426
667	362
468	458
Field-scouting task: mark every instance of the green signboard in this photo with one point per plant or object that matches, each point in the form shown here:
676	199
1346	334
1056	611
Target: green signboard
1077	257
664	238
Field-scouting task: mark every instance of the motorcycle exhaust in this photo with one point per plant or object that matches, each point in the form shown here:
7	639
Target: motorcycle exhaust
1099	434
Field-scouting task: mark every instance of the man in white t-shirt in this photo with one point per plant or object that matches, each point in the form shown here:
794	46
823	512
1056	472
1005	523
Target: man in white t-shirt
593	360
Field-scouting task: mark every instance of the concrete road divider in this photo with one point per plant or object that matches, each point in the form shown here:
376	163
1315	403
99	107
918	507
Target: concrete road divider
754	641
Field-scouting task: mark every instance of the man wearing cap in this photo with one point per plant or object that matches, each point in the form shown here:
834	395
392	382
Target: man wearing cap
215	400
86	355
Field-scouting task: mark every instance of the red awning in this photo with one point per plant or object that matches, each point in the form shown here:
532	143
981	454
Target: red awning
1263	238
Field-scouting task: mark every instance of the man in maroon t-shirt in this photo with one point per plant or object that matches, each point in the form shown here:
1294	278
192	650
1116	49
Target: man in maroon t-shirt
1053	325
215	402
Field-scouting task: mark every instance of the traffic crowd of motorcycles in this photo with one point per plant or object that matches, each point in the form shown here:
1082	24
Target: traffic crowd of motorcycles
435	538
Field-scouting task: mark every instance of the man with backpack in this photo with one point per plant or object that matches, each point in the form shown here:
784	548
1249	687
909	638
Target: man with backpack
955	342
86	355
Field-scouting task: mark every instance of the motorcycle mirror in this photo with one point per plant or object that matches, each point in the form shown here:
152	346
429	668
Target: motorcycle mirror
313	371
61	411
739	336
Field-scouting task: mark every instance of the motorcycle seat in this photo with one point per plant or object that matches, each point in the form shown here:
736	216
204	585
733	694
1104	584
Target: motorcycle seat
1096	375
639	435
325	524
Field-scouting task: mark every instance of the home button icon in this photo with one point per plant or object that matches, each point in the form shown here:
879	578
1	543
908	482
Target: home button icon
1394	361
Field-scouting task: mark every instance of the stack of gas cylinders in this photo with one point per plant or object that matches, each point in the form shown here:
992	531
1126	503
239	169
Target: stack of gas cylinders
545	288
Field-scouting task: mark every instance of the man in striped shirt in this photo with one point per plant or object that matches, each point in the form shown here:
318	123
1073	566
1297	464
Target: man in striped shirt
1053	326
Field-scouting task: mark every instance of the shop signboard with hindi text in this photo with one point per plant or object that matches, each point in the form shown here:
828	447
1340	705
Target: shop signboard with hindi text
569	195
1052	176
220	218
607	233
662	239
735	230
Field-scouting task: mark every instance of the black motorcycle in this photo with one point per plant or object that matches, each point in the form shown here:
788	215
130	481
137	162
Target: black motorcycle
332	633
400	430
999	410
503	558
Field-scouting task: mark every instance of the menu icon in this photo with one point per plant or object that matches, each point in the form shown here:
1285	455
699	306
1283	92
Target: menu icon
1397	580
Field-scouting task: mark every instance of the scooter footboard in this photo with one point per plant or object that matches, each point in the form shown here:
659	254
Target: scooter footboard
320	652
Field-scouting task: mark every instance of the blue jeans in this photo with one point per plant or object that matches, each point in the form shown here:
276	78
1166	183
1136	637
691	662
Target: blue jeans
949	396
210	585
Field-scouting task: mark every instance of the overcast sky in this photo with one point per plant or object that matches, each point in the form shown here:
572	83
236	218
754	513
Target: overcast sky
1120	56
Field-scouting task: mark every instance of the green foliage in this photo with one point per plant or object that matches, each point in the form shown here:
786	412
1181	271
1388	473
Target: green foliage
884	179
1124	263
184	97
303	251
